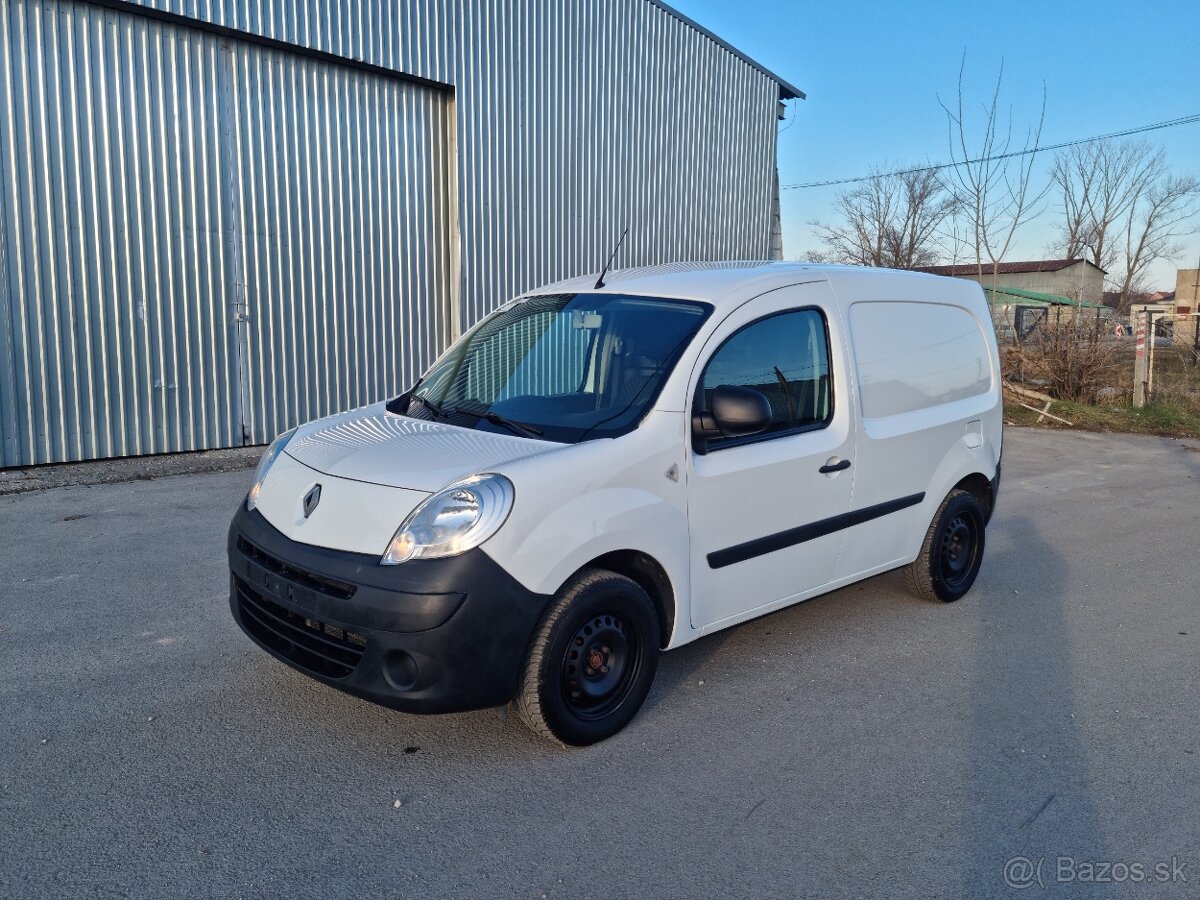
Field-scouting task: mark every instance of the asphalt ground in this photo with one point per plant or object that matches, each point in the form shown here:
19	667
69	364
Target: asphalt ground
864	744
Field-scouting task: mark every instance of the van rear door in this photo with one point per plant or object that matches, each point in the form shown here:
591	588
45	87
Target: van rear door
927	388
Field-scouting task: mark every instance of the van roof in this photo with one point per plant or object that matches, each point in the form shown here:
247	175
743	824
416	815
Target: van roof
729	283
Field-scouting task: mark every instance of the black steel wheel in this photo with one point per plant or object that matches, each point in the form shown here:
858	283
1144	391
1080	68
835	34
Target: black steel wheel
952	551
600	665
592	660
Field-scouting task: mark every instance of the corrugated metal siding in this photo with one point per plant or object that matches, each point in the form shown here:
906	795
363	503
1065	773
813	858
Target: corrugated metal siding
157	175
572	120
345	221
114	237
412	36
575	118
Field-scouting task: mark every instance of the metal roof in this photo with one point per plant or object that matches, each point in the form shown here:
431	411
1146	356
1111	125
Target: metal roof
787	90
1010	268
1038	297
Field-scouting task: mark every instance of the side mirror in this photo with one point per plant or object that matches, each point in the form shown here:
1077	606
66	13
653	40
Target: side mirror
736	412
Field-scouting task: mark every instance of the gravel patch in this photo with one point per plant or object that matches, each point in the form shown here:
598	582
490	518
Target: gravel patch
129	468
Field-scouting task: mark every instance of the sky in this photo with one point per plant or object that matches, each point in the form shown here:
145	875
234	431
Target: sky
873	73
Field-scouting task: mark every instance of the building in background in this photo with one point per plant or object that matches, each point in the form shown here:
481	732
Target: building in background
1185	302
1076	279
1187	292
218	220
1016	312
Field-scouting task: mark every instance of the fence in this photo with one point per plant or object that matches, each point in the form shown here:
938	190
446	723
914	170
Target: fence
1163	338
1102	359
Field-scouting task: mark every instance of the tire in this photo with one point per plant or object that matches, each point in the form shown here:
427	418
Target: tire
591	661
952	551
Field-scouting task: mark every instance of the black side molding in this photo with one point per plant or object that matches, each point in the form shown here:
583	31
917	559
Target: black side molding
719	559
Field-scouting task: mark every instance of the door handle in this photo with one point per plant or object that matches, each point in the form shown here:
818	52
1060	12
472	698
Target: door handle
834	467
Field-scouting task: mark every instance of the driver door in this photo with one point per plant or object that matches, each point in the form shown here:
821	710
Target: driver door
763	510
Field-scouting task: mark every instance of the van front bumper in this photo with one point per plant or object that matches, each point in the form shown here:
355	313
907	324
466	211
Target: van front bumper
428	636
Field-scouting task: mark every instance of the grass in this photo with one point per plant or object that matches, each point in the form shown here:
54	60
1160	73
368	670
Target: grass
1164	417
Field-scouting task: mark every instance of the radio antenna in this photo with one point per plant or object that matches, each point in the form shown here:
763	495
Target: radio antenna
620	241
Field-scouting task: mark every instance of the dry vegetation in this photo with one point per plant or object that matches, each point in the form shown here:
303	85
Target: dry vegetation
1071	362
1092	377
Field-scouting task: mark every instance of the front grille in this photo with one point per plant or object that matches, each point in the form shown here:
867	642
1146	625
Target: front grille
328	586
315	646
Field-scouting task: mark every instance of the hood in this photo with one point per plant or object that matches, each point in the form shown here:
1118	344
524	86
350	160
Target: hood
379	447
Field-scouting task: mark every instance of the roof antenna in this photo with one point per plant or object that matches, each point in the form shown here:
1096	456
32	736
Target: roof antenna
600	280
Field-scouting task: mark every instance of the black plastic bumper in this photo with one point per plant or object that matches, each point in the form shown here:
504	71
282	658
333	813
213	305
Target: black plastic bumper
428	636
995	488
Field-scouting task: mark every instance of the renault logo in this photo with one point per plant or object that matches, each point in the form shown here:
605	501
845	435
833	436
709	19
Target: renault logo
311	499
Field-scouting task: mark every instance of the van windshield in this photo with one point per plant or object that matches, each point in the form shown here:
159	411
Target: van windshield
565	367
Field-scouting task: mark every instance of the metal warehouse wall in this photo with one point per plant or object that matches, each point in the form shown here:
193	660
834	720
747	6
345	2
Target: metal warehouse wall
207	236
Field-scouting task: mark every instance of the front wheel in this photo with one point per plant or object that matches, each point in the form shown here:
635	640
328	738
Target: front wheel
952	551
592	660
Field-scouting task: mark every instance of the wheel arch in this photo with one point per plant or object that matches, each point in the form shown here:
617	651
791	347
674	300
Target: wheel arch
980	487
650	575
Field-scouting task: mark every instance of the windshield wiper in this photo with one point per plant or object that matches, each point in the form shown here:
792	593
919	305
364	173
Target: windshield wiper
497	419
431	406
442	412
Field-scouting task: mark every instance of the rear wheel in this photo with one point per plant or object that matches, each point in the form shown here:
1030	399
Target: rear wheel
592	660
952	551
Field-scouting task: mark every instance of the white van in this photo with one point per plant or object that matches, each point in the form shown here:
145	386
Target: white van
600	471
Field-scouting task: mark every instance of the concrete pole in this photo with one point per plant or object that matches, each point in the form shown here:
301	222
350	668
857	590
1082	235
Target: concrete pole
1141	317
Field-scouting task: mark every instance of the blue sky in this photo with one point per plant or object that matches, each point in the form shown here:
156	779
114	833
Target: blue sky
873	73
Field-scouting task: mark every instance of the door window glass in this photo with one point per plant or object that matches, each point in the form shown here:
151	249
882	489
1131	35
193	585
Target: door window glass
786	357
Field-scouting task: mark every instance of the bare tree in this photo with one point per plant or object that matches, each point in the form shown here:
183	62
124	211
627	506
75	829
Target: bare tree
1123	209
1099	183
891	220
1075	177
992	175
1153	226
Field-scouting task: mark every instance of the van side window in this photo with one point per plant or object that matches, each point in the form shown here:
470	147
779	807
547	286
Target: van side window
786	357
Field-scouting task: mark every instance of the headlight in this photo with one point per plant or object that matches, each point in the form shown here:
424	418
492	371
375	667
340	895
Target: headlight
264	466
452	521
